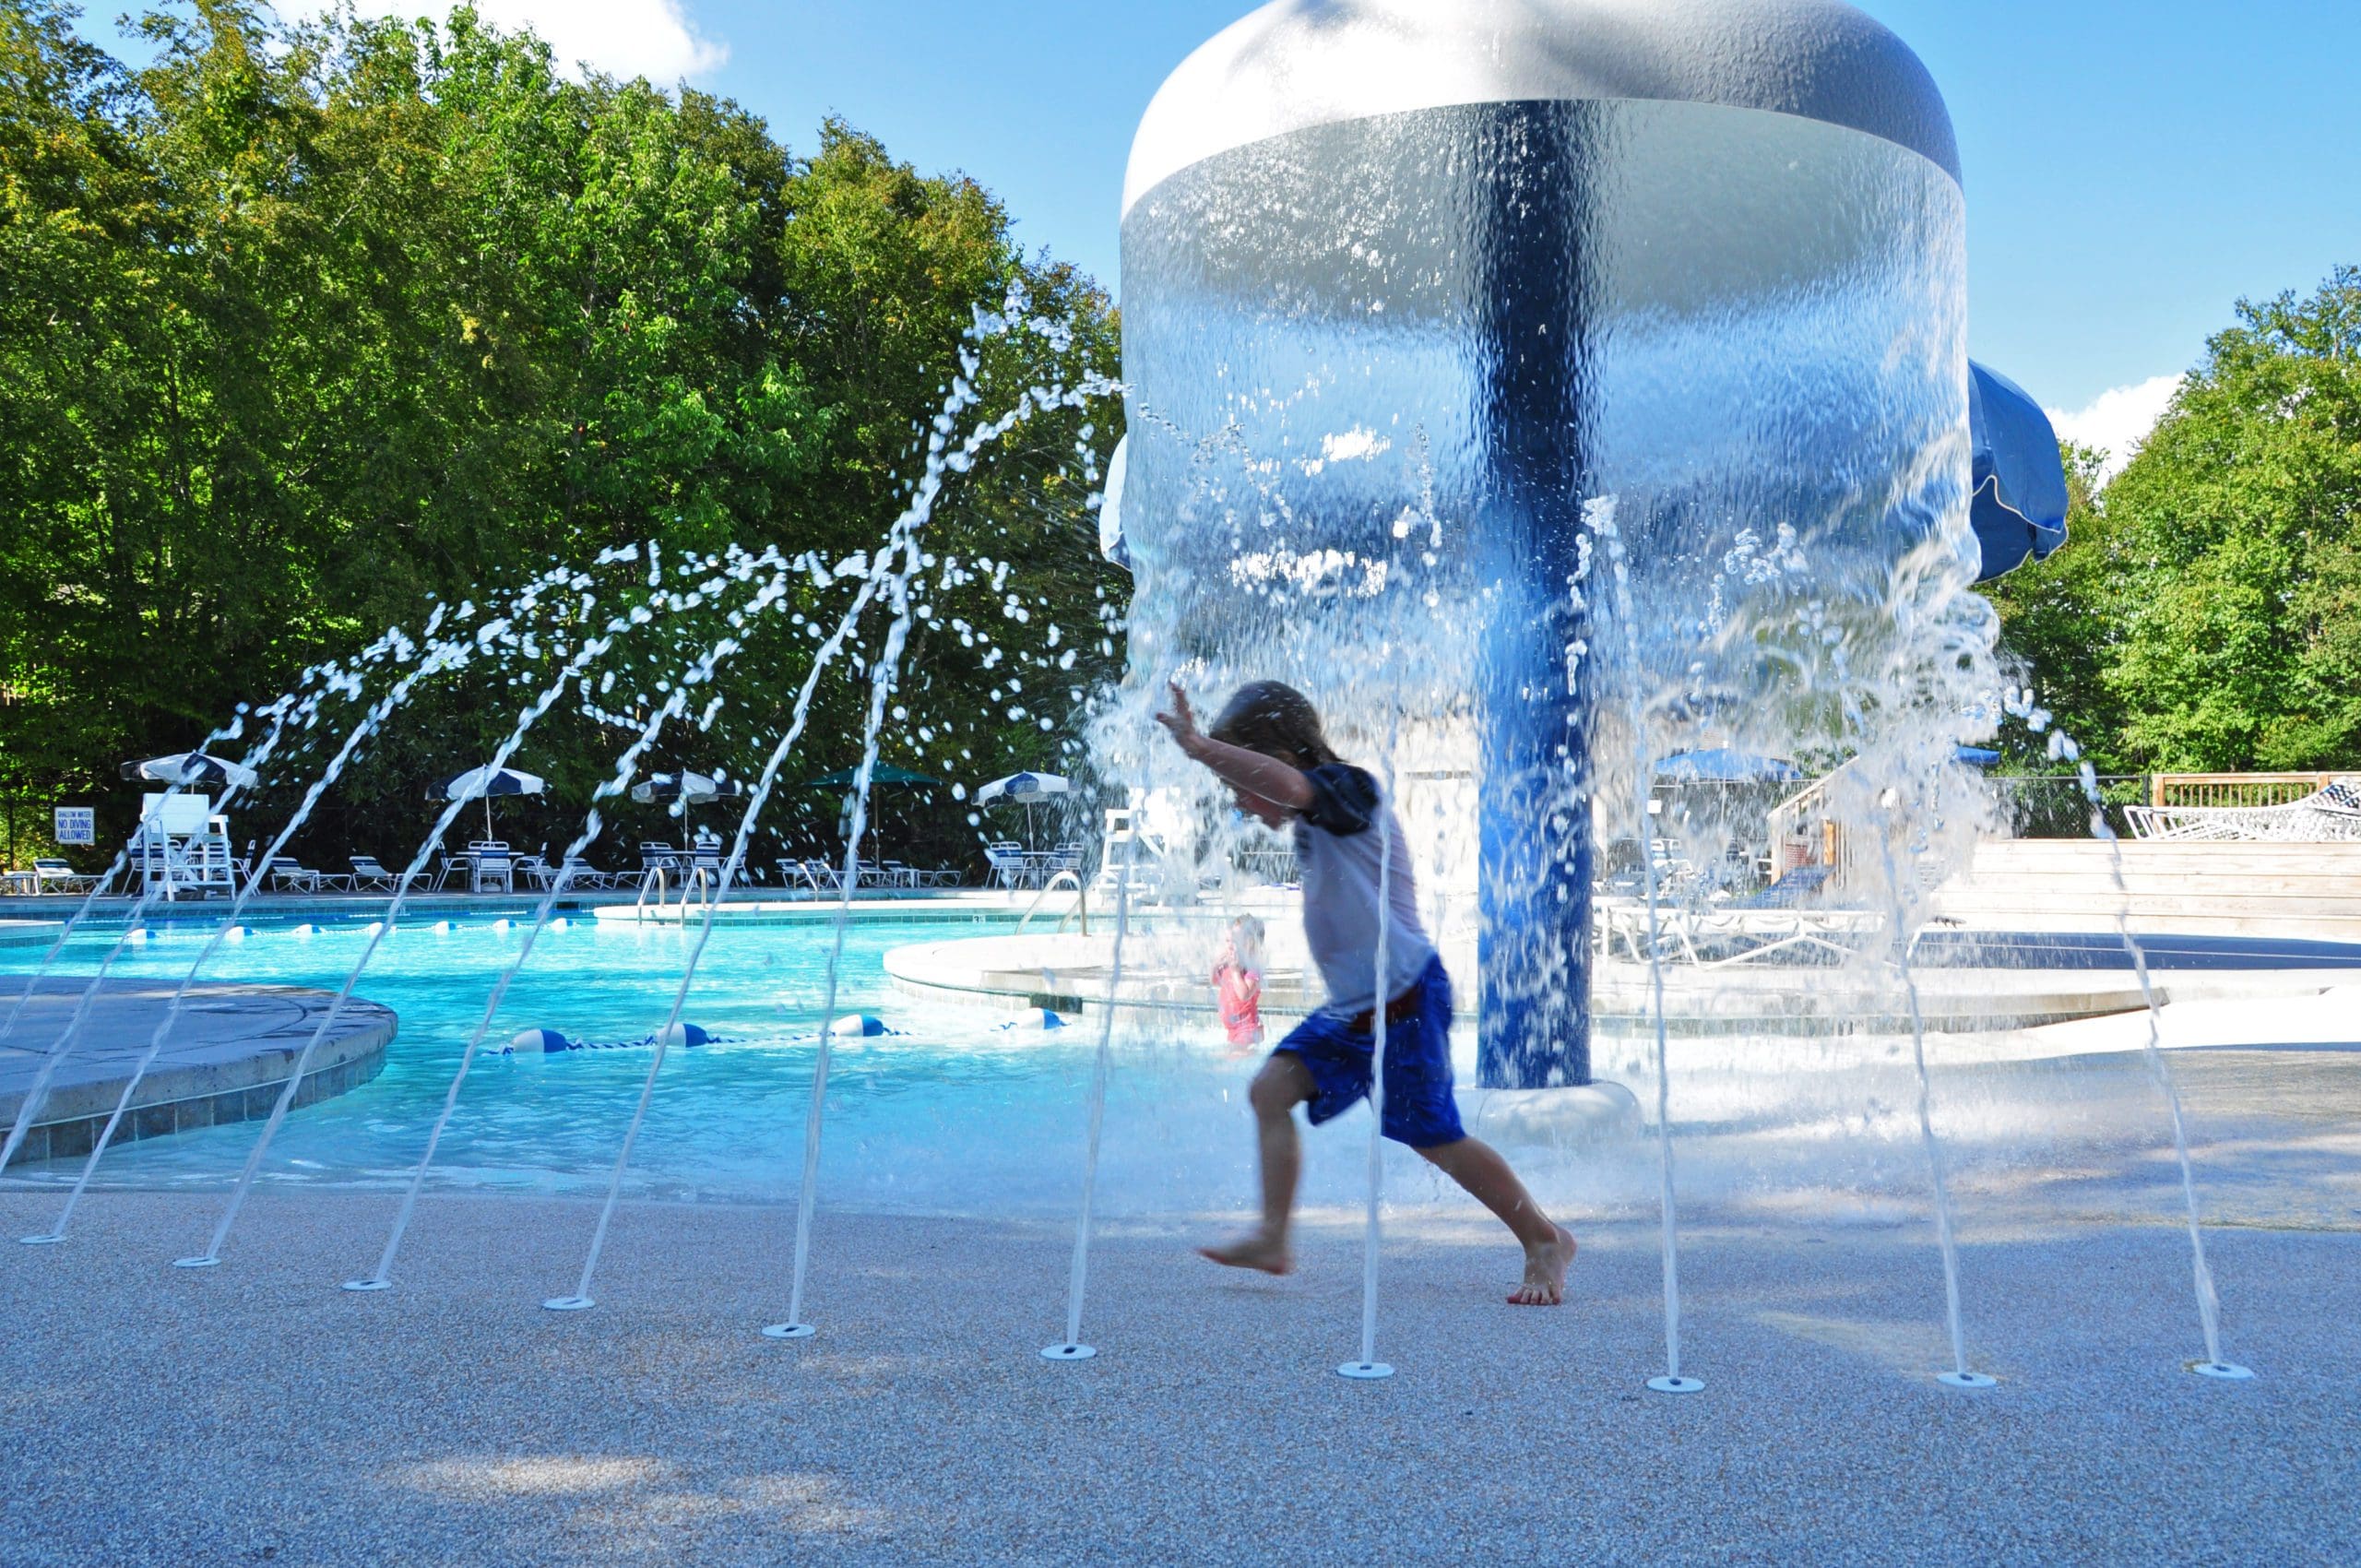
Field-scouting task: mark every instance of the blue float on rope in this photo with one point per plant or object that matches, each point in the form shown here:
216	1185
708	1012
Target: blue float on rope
540	1042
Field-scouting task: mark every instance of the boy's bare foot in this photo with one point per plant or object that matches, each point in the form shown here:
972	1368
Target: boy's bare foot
1545	1272
1257	1251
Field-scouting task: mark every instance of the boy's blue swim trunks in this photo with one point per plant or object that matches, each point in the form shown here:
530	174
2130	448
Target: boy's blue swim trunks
1419	1110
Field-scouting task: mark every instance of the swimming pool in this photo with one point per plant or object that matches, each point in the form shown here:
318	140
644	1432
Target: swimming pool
959	1113
957	1101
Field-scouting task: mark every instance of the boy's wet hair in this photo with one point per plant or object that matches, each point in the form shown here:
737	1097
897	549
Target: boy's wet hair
1277	720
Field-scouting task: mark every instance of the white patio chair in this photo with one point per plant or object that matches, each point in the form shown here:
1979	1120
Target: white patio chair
1010	868
490	868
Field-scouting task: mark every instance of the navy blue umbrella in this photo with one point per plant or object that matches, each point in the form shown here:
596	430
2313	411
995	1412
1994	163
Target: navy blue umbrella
2019	506
483	783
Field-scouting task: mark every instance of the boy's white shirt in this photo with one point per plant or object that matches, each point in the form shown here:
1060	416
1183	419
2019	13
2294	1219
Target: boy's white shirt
1343	872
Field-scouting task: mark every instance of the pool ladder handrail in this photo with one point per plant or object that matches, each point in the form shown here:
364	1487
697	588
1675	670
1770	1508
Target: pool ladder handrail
1081	902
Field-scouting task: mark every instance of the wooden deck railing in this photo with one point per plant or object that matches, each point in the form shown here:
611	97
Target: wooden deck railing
2234	789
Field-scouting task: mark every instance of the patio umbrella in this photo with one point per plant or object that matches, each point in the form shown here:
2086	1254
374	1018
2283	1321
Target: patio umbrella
191	770
1111	543
883	773
1026	789
689	788
1728	767
2019	510
483	783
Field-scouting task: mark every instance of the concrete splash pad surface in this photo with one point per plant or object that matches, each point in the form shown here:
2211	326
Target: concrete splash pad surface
258	1413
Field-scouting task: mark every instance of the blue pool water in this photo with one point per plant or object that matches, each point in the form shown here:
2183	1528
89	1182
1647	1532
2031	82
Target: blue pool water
954	1107
957	1113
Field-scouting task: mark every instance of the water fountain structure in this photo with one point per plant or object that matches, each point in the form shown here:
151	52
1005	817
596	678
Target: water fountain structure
1405	285
1558	385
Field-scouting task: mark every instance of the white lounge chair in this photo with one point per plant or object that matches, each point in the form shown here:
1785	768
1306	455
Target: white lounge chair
60	877
574	872
368	876
2330	814
286	871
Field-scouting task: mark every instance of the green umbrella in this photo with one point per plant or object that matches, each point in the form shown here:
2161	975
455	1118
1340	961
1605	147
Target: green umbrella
883	773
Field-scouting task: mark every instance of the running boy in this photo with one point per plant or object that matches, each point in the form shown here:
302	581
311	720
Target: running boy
1267	746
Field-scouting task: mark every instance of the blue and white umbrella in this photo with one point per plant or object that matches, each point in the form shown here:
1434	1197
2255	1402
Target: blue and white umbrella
1026	789
190	770
482	784
1023	788
696	789
2019	511
689	788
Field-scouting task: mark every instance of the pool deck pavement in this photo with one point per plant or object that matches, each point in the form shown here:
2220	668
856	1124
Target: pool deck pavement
227	1058
255	1413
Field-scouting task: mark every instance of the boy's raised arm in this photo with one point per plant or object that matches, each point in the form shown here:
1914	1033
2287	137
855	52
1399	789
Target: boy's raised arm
1235	765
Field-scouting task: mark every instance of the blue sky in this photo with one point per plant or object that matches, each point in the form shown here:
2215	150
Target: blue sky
2133	166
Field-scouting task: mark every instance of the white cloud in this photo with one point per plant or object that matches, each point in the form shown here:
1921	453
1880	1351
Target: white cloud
2117	421
622	38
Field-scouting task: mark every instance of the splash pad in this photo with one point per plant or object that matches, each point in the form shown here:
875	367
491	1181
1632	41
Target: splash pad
1549	391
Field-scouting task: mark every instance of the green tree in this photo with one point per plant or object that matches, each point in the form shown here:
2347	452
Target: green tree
2239	584
2205	614
304	328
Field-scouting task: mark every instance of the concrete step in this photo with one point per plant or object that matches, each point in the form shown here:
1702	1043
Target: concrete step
2311	890
2177	902
2138	852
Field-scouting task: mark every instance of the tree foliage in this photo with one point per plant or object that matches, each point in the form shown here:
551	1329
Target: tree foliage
305	327
2206	613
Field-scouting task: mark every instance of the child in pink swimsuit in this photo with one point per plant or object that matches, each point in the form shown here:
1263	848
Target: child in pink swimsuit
1237	978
